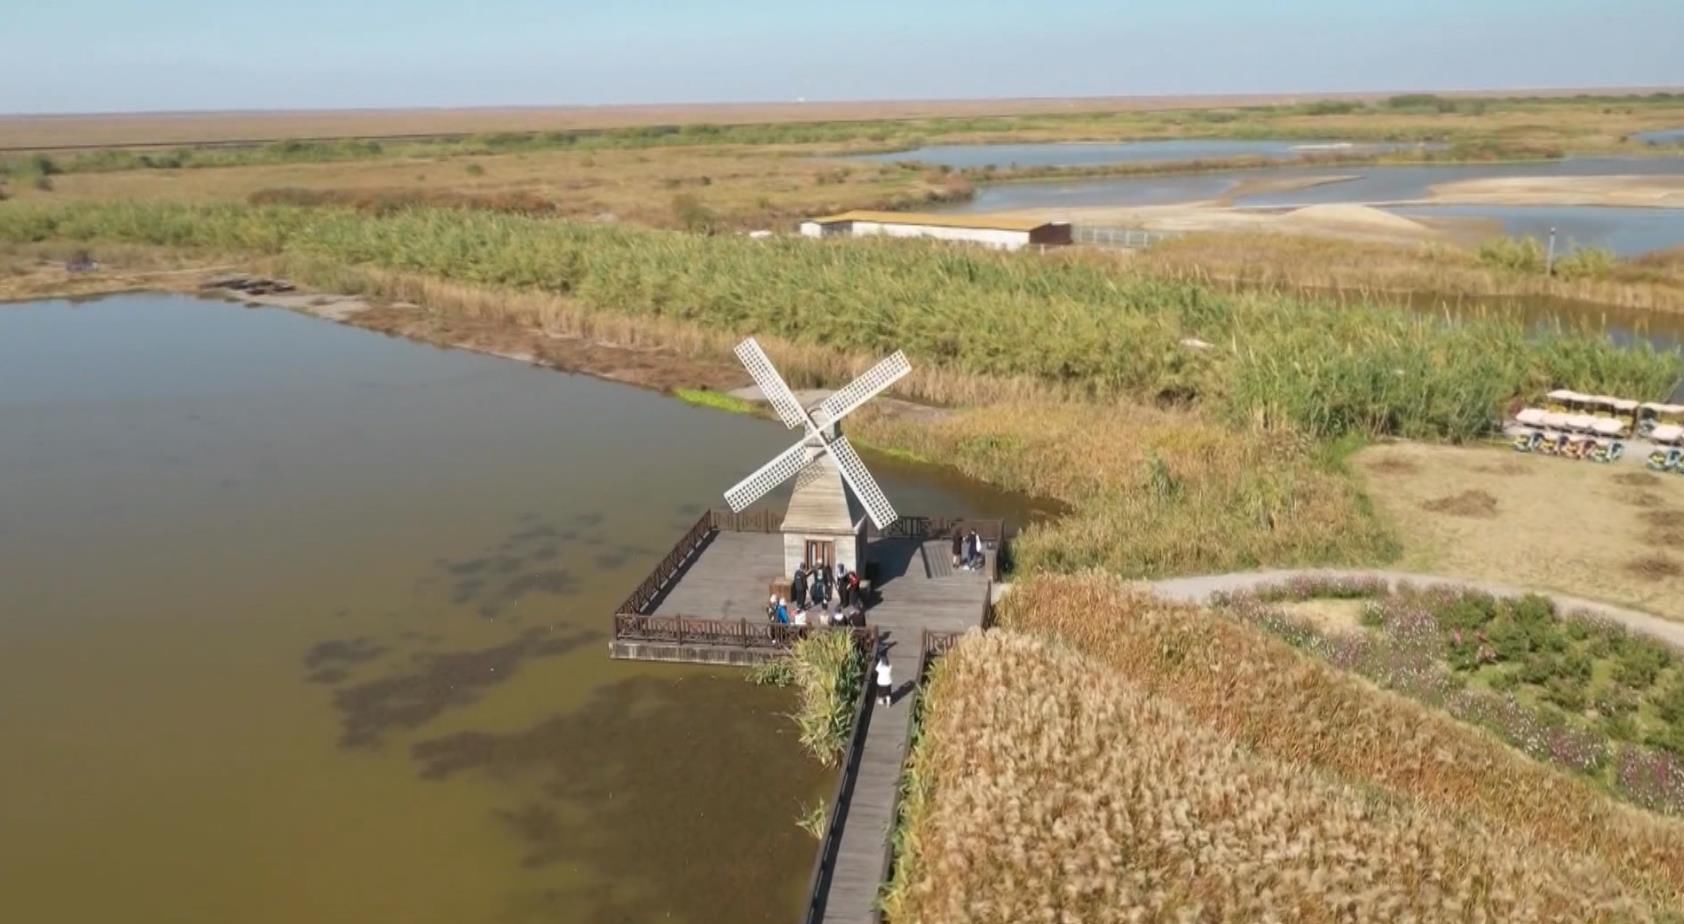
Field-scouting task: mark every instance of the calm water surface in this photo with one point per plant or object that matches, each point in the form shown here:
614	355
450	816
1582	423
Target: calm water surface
1624	230
299	622
1084	153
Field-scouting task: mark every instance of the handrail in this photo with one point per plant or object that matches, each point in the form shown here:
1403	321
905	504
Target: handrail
845	778
931	645
681	550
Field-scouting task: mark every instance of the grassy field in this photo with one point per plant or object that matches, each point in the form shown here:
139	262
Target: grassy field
1101	782
1604	532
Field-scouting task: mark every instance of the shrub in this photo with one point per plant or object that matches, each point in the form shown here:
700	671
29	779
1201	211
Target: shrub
1522	254
474	170
1586	263
692	215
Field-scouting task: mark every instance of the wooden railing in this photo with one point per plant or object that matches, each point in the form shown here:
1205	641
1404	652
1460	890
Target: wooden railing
753	521
731	633
658	578
633	622
817	882
931	645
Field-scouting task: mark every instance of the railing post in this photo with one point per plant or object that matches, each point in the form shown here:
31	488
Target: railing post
743	637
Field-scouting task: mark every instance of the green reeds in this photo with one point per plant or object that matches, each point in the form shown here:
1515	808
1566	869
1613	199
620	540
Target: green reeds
1074	323
828	672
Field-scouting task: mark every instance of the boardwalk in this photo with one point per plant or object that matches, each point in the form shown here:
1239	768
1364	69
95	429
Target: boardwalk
918	589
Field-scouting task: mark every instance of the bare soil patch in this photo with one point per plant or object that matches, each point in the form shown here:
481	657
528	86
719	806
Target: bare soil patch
1654	567
1571	527
1327	615
1392	465
1638	479
1466	504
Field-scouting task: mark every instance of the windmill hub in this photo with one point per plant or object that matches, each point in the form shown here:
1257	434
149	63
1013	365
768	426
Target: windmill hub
821	526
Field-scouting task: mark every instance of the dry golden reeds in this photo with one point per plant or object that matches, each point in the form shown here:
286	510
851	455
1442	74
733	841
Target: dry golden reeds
1262	695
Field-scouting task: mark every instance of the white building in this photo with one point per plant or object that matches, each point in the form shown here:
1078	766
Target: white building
1003	232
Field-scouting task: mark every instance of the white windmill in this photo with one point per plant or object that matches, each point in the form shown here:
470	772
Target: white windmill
819	527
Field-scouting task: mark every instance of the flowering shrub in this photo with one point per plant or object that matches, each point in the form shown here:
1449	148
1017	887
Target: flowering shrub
1532	672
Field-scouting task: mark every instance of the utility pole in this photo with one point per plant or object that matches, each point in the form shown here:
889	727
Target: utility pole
1549	258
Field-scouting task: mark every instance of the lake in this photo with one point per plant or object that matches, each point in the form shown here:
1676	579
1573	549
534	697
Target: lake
301	622
1626	231
1090	153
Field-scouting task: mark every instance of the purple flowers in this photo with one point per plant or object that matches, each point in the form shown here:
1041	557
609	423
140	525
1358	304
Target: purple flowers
1428	643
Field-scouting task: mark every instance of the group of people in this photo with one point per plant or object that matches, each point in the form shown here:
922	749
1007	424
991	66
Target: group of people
967	550
819	596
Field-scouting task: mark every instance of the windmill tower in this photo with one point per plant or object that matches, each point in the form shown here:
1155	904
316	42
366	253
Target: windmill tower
820	526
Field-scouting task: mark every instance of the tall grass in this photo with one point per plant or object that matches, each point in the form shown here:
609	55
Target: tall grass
1152	492
1060	791
1070	321
1292	708
828	672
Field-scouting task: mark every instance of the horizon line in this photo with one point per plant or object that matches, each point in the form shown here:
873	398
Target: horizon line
1190	99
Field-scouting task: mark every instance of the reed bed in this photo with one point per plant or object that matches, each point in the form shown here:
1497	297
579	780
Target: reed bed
1423	274
1076	323
1056	790
827	670
1289	707
1152	492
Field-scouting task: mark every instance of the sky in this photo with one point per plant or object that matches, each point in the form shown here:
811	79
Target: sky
148	55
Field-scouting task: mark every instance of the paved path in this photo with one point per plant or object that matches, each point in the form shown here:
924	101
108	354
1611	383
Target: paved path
1199	590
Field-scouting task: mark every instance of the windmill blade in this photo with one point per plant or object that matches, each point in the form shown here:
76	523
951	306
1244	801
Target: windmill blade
769	476
859	478
862	389
771	384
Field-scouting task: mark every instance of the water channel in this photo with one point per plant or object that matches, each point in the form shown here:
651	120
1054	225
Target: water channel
1625	231
1089	153
300	622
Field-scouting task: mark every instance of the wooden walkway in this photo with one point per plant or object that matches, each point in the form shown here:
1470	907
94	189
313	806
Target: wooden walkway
918	589
915	600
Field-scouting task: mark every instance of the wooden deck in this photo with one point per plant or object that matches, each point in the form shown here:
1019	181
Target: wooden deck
917	589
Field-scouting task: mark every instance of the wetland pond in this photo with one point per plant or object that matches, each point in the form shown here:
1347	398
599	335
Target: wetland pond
300	622
1625	231
1091	153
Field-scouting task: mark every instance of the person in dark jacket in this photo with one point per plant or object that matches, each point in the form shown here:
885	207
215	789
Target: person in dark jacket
958	545
817	593
798	586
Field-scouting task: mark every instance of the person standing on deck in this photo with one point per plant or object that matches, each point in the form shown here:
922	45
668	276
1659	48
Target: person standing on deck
798	586
817	598
885	679
976	550
958	545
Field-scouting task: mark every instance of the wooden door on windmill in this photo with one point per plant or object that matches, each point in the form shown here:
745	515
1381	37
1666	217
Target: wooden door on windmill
821	554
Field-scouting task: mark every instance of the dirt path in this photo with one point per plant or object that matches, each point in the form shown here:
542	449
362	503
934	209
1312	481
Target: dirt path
1199	590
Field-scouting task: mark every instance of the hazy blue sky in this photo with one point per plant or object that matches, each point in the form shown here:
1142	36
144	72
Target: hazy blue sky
81	55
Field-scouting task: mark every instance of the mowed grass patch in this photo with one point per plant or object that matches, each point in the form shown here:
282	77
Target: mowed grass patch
1287	706
1049	786
1596	531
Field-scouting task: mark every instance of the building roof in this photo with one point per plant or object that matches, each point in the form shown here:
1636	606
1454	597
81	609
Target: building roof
949	220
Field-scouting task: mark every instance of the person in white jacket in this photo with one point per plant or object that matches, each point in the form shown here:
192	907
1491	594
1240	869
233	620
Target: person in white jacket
885	679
